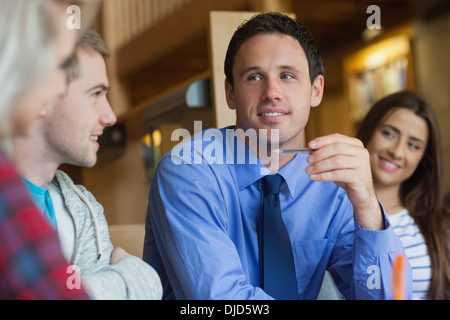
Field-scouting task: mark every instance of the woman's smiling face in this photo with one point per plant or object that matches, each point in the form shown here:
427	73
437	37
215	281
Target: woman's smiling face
397	147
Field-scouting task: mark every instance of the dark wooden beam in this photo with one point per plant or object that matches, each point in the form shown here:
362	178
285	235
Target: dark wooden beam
169	35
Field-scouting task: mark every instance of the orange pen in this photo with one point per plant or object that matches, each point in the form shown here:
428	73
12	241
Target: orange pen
398	277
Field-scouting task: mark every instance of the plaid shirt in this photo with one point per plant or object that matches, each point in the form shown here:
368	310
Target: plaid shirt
32	265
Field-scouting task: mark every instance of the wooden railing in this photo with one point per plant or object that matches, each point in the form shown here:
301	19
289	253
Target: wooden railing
124	19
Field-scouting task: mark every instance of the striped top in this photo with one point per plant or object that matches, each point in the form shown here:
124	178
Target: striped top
416	252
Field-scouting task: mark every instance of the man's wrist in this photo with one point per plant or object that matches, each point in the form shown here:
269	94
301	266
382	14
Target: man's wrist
370	216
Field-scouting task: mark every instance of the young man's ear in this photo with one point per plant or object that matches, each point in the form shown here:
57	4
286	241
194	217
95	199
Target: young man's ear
317	90
229	93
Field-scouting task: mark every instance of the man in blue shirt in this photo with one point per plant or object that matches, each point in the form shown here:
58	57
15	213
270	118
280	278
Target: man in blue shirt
206	199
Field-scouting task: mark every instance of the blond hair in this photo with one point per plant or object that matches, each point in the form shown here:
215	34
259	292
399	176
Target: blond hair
27	46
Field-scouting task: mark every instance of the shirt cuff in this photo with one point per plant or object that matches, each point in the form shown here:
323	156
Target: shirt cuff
378	242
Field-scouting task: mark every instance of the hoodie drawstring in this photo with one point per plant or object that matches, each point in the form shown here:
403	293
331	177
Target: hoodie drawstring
94	218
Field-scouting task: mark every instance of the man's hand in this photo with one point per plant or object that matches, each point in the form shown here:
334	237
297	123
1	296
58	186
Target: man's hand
345	161
117	254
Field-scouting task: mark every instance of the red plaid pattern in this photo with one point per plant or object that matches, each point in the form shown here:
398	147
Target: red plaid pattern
32	265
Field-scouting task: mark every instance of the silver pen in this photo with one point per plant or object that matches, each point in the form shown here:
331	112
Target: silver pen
302	150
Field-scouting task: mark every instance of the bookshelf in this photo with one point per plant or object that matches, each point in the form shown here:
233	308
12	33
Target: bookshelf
382	67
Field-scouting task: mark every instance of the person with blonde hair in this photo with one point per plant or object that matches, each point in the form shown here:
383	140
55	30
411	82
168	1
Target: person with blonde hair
35	44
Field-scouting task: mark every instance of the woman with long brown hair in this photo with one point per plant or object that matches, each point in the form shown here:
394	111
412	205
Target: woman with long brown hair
402	136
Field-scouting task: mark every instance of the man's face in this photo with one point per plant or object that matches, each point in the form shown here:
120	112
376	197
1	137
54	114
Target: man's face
76	121
272	88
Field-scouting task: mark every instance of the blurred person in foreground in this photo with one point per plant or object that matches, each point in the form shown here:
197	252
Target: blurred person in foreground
35	45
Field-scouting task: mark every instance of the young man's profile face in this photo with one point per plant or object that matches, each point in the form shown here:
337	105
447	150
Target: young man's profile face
79	118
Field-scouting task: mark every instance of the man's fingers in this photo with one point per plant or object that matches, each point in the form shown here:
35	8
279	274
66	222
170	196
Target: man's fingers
333	150
331	164
341	177
338	158
333	138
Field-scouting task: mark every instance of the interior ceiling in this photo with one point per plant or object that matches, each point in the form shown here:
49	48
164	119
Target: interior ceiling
332	22
335	22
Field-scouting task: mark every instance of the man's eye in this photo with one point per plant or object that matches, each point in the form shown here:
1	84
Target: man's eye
254	78
287	76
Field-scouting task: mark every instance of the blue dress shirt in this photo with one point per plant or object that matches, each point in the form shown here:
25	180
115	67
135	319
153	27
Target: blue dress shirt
202	222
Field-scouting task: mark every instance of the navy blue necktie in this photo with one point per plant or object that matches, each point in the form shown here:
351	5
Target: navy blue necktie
276	260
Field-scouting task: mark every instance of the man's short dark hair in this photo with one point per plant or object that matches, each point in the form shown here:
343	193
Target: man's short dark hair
272	22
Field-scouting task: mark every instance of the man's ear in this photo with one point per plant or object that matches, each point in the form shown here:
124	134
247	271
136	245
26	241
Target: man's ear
317	90
229	93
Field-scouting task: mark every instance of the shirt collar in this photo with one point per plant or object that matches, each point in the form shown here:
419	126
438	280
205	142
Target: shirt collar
37	193
34	188
292	170
253	169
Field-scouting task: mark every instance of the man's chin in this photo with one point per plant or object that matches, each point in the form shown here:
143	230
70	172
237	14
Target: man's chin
85	163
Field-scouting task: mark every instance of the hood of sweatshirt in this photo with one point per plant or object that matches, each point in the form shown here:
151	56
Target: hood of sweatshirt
69	190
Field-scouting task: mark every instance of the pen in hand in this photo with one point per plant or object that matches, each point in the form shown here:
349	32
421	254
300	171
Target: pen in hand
302	150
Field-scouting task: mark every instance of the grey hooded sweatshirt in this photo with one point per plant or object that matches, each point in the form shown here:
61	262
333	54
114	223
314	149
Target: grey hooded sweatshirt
84	237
